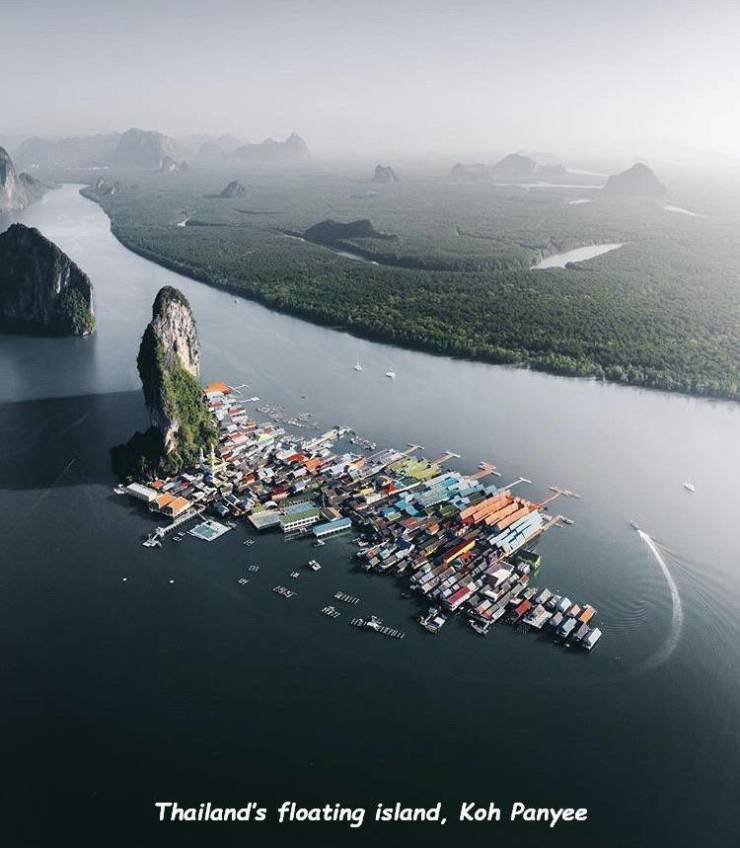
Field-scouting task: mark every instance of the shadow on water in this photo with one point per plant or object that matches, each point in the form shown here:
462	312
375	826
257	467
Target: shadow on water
57	441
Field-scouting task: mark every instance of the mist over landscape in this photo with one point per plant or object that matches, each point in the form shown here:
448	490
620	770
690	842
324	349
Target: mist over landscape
409	286
414	79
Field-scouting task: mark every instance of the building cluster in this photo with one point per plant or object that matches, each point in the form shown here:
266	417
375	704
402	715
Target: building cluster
462	541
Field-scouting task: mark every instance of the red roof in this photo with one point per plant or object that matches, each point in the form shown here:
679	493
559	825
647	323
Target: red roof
522	608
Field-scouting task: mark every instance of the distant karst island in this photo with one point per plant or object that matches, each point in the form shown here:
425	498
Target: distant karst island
384	175
293	149
637	181
329	231
515	167
234	189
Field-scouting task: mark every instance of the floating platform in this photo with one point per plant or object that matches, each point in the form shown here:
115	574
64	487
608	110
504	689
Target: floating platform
209	530
352	600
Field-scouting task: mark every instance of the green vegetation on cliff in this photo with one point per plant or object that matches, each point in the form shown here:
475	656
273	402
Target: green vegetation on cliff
74	317
168	363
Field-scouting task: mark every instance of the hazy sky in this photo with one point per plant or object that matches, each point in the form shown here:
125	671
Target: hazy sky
380	76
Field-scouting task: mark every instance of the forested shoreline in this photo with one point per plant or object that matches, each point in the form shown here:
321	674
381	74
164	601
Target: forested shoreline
651	314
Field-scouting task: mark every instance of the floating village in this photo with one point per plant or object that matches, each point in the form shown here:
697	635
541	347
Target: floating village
461	542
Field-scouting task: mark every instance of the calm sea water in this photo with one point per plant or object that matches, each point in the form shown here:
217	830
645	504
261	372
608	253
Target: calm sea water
119	694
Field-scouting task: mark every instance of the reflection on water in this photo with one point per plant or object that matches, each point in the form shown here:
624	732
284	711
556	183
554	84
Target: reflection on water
207	676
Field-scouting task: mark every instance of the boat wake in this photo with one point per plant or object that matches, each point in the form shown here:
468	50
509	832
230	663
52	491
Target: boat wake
669	646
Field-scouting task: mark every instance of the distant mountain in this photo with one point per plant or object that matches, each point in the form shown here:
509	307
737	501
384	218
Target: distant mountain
293	149
477	171
385	175
329	231
41	288
86	151
234	189
637	181
13	194
144	149
514	167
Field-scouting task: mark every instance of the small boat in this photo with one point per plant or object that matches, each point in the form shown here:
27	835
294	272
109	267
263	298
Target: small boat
391	374
634	526
690	487
319	543
358	367
314	565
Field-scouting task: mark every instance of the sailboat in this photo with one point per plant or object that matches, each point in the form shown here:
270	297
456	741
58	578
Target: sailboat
358	367
391	374
690	487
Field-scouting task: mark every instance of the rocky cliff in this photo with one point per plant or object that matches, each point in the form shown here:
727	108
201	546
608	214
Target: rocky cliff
293	149
637	181
329	231
234	189
514	167
169	365
13	195
41	288
169	166
385	175
144	149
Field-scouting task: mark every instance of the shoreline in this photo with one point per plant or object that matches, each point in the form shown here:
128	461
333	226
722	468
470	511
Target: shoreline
518	359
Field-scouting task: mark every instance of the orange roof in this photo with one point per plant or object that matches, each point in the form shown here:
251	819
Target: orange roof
218	387
312	464
163	500
178	505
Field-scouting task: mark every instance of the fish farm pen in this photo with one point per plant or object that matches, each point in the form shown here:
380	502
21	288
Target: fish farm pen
461	542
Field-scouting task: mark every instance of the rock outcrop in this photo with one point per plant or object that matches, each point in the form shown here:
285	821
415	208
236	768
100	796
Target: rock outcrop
169	166
293	149
234	189
329	231
385	175
169	365
13	195
41	288
637	181
144	149
514	167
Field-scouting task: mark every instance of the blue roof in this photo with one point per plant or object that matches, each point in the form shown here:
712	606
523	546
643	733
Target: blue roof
336	524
